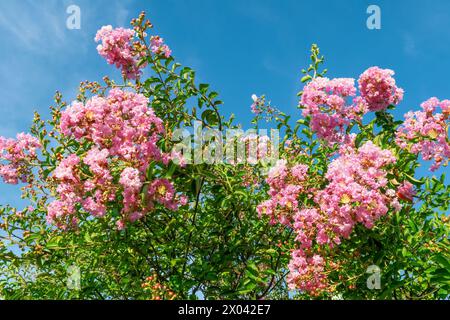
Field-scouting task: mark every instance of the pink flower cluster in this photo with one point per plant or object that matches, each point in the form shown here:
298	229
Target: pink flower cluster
286	184
16	156
356	192
326	101
378	89
307	273
124	133
117	48
122	122
406	191
426	132
158	47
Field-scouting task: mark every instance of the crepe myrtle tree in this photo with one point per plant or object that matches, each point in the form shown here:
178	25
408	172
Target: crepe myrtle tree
110	196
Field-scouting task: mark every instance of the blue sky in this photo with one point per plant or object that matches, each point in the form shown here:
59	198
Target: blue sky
240	47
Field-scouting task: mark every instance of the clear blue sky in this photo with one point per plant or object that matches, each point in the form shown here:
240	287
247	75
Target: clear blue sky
239	46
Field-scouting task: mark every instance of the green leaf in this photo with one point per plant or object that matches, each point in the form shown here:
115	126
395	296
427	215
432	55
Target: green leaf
53	243
306	78
203	88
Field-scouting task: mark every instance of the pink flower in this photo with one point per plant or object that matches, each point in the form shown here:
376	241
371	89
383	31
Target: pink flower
65	171
266	208
430	105
120	224
95	205
16	157
134	216
117	48
183	200
277	174
9	174
60	212
163	192
306	273
325	101
425	132
157	46
121	129
353	194
406	191
130	178
97	160
257	104
299	172
378	89
356	177
257	148
122	123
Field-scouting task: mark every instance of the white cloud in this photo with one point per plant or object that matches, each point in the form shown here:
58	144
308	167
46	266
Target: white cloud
258	10
122	13
409	45
39	26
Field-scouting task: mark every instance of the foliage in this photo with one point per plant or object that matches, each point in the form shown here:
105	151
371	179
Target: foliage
214	244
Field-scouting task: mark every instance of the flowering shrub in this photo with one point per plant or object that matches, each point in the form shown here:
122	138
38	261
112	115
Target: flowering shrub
353	195
109	191
359	185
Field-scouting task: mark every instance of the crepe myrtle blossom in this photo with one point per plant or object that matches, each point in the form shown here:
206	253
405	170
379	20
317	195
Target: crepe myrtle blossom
306	273
326	102
122	123
378	88
109	160
122	129
65	171
16	156
406	191
332	103
130	179
355	193
163	192
285	184
158	47
117	48
426	132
